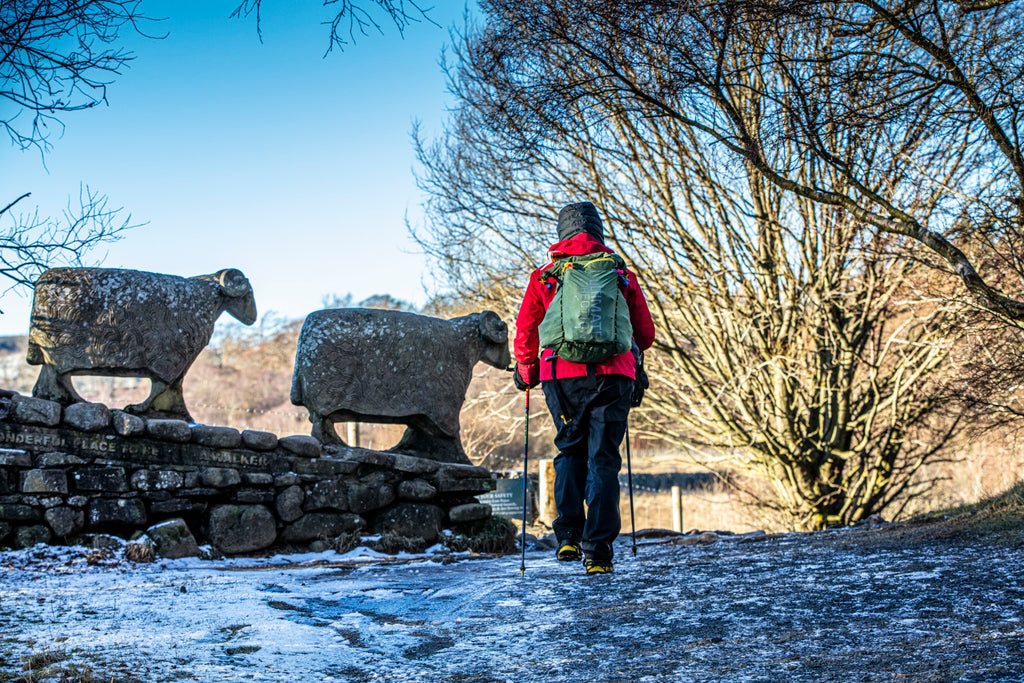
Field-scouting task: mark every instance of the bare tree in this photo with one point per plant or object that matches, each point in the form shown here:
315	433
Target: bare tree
939	84
792	337
57	57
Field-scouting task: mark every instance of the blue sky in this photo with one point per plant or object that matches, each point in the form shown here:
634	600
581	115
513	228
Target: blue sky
293	167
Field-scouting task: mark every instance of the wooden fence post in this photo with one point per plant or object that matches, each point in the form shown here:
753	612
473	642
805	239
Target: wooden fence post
677	509
546	497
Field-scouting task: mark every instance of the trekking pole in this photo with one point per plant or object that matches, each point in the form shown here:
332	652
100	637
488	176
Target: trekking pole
629	479
526	442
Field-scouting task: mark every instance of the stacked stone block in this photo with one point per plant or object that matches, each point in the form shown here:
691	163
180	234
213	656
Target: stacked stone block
87	469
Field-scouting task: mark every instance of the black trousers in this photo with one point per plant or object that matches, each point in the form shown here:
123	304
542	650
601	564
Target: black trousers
590	415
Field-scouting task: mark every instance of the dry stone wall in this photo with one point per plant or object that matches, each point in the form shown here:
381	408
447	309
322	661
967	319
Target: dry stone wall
84	469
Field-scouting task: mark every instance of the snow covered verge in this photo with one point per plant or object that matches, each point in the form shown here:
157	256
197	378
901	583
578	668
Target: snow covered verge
828	606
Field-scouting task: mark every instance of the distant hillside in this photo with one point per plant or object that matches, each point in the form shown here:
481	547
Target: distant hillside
12	344
15	373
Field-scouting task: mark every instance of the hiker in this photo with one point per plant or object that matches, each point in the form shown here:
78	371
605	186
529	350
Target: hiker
588	395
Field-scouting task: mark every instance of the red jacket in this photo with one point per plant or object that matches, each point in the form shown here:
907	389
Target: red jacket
536	301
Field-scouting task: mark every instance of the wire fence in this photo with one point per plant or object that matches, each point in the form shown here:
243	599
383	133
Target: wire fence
254	411
663	482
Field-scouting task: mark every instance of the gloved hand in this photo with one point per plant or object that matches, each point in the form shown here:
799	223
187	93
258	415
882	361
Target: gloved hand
641	382
526	375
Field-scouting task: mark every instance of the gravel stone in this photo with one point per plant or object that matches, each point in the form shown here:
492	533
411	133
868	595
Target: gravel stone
216	437
117	512
241	528
299	444
64	521
169	430
416	489
173	539
259	441
126	424
35	411
470	512
322	525
44	481
289	503
88	417
156	480
219	477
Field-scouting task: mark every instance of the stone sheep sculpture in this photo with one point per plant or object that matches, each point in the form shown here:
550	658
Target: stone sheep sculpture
384	366
128	323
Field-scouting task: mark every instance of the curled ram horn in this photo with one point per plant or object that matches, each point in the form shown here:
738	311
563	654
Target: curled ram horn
233	282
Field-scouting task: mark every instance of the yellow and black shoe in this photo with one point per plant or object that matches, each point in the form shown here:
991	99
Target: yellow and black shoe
569	552
597	566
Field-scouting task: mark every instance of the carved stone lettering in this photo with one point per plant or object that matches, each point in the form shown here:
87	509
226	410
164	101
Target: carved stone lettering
57	482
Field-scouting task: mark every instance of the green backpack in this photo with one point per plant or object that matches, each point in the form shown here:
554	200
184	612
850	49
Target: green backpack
588	320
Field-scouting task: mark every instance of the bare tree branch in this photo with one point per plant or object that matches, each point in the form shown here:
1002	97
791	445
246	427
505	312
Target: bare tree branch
350	18
30	244
795	337
58	57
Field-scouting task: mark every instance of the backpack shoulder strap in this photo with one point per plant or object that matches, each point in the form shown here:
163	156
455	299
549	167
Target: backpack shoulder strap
551	275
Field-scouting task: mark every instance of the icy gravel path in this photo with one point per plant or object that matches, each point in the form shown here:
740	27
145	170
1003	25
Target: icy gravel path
799	608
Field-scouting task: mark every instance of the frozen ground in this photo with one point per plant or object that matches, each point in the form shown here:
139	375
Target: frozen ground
834	606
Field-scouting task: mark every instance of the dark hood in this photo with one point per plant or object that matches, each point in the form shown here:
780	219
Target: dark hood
579	218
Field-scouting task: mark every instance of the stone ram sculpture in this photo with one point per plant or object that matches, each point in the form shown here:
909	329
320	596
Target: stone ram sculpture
128	323
370	365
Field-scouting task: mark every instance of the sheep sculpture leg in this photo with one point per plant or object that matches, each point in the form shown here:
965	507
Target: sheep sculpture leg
323	430
54	386
441	448
165	399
